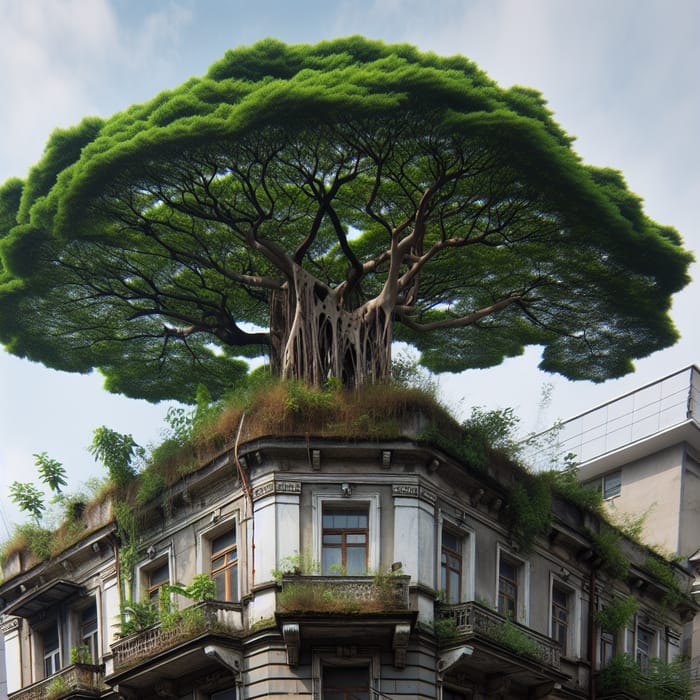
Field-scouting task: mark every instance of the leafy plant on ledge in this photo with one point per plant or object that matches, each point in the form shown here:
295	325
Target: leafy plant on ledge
509	636
614	616
57	688
81	655
662	681
309	595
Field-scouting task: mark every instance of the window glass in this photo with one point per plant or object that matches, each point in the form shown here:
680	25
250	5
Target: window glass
229	694
345	683
224	565
508	589
52	654
88	631
451	567
644	641
612	484
560	616
156	578
448	694
344	541
607	648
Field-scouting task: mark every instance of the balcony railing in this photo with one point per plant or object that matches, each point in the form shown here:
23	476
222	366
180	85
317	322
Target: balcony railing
81	680
474	620
640	414
210	617
342	594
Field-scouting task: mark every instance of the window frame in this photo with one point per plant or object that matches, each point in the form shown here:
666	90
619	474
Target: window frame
521	580
349	693
321	500
90	638
572	648
231	581
332	657
643	656
606	490
52	655
607	647
456	553
345	543
146	587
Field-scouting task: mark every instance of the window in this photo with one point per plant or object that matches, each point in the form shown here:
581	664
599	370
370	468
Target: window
51	649
644	648
156	578
229	694
345	683
608	485
451	567
88	632
224	565
345	538
607	648
508	589
448	694
560	616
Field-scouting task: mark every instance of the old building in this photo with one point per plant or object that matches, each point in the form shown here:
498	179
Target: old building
387	558
642	451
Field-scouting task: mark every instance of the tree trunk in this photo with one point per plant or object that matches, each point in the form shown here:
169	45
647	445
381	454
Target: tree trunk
313	338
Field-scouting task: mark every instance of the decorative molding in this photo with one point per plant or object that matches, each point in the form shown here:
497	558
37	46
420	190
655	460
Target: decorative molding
402	633
9	625
288	487
290	633
428	496
404	490
272	486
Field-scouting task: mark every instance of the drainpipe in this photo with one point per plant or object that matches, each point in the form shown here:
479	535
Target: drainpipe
249	501
591	633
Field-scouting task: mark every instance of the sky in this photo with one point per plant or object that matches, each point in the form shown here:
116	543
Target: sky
622	76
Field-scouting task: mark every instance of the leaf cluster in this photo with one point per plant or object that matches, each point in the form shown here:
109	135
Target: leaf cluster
151	244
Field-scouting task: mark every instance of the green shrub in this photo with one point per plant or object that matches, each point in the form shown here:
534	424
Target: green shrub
445	628
606	545
662	570
513	638
662	681
530	510
615	615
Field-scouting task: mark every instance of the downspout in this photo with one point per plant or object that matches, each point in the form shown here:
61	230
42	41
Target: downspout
249	500
591	633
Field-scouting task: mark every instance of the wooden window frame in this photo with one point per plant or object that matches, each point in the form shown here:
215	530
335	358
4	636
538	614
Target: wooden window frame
229	553
345	533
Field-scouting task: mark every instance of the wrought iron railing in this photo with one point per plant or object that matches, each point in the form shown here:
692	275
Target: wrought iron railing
474	620
80	679
211	616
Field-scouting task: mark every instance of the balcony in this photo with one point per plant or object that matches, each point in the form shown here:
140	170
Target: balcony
203	638
346	611
651	411
495	648
77	681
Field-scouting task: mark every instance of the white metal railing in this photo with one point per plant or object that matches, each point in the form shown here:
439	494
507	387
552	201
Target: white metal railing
637	415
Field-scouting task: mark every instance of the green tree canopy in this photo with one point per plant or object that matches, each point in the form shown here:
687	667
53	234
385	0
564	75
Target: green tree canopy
311	204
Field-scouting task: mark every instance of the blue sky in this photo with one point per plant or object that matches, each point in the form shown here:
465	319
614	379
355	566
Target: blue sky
623	76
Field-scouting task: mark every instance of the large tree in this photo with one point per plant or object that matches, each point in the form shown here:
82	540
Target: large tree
312	204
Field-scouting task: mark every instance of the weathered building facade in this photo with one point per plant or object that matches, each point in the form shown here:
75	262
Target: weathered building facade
344	568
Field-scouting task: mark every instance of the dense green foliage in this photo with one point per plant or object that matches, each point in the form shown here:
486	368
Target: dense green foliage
314	203
662	681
